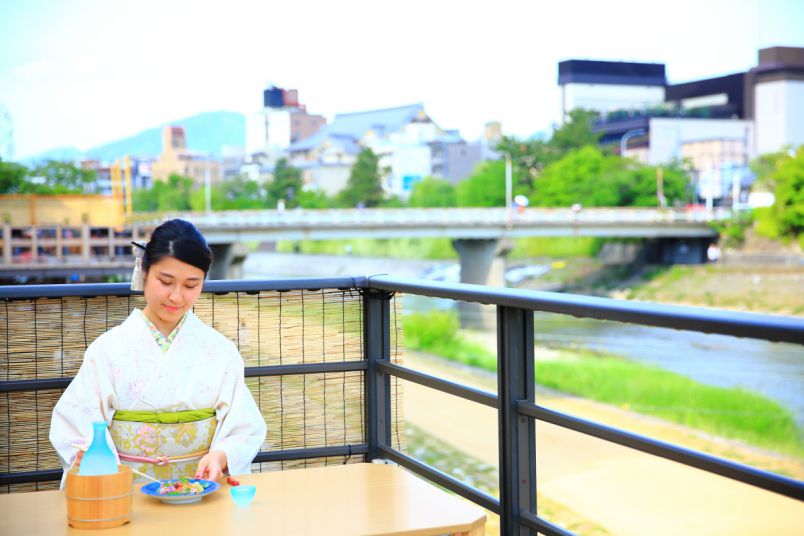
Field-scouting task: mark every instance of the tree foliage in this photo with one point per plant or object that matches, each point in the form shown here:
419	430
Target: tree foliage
592	178
485	187
12	178
364	186
286	185
63	177
784	173
530	157
432	192
51	177
172	194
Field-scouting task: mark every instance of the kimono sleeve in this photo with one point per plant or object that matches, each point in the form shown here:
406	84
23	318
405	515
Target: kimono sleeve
241	427
89	398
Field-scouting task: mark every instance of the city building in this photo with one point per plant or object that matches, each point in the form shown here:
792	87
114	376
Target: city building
177	159
716	125
280	122
139	169
409	145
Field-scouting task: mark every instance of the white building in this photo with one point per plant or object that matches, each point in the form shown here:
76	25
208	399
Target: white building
606	86
717	124
403	139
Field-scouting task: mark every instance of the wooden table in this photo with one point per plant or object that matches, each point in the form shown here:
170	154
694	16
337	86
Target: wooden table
362	498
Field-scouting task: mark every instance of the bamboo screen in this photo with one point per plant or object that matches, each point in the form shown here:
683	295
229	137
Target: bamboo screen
46	338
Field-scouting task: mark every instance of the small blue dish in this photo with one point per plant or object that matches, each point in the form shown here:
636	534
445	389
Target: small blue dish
243	495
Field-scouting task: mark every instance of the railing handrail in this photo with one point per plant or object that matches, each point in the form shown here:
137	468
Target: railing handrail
23	292
515	333
774	328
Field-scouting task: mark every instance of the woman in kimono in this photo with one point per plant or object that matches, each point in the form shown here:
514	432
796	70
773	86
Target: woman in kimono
170	387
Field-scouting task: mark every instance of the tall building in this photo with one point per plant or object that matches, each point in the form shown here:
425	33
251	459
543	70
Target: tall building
177	159
605	86
280	122
717	124
777	102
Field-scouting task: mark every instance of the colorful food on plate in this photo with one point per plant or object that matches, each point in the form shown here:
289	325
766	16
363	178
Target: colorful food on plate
182	486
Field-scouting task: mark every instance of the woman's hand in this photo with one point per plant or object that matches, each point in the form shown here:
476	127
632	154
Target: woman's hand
212	465
78	456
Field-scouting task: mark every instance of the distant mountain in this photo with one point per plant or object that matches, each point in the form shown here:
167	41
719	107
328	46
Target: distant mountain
206	133
62	153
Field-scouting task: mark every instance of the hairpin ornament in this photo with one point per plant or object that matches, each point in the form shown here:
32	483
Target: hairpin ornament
137	276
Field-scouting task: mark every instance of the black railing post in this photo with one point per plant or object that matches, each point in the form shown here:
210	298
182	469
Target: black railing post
517	432
377	348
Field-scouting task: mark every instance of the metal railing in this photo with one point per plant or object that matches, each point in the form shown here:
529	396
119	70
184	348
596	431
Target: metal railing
516	381
516	385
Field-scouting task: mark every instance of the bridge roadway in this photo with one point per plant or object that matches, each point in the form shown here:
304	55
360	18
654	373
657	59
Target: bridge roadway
479	235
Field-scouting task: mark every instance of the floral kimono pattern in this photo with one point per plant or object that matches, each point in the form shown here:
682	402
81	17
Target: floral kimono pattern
126	370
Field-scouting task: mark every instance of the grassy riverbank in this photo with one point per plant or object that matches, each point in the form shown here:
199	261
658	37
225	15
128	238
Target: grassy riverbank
762	289
441	248
730	413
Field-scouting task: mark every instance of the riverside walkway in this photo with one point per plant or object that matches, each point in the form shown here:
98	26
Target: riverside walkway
619	489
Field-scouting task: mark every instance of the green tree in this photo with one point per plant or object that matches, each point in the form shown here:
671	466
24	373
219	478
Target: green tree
236	193
575	133
286	184
592	178
56	177
13	177
530	157
432	192
173	194
314	199
485	187
364	185
788	206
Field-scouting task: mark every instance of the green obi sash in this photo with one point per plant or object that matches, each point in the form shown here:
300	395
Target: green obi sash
167	417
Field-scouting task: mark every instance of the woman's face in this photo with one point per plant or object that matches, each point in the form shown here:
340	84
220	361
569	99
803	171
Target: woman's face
171	288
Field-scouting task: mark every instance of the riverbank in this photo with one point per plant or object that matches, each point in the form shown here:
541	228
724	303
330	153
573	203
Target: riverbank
727	412
609	489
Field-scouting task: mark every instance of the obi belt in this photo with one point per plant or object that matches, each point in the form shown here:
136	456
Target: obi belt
165	445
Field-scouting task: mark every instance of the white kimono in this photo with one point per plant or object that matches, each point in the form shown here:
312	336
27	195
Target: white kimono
125	369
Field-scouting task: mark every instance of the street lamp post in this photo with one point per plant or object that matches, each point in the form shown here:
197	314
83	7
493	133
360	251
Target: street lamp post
508	190
207	188
628	135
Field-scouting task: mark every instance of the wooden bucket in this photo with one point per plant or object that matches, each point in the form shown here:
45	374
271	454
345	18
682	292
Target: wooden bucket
99	502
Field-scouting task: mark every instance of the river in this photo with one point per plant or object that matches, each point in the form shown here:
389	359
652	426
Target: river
773	369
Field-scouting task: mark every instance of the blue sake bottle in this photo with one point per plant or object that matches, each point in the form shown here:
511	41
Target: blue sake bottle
99	458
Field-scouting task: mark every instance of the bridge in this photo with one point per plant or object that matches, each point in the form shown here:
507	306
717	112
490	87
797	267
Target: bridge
480	235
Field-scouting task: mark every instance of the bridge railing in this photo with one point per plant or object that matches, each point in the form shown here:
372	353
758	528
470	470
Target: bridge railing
436	216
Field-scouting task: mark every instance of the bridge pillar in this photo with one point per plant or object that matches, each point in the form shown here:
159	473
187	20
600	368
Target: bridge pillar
227	261
482	263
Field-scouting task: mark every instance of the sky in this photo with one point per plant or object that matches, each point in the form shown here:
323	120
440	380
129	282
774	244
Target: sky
81	73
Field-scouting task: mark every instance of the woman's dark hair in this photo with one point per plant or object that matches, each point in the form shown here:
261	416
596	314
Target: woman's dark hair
181	240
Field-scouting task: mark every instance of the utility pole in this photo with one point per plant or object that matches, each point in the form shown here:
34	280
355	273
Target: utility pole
508	190
207	188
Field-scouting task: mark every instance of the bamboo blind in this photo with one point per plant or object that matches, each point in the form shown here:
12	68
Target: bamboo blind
46	338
